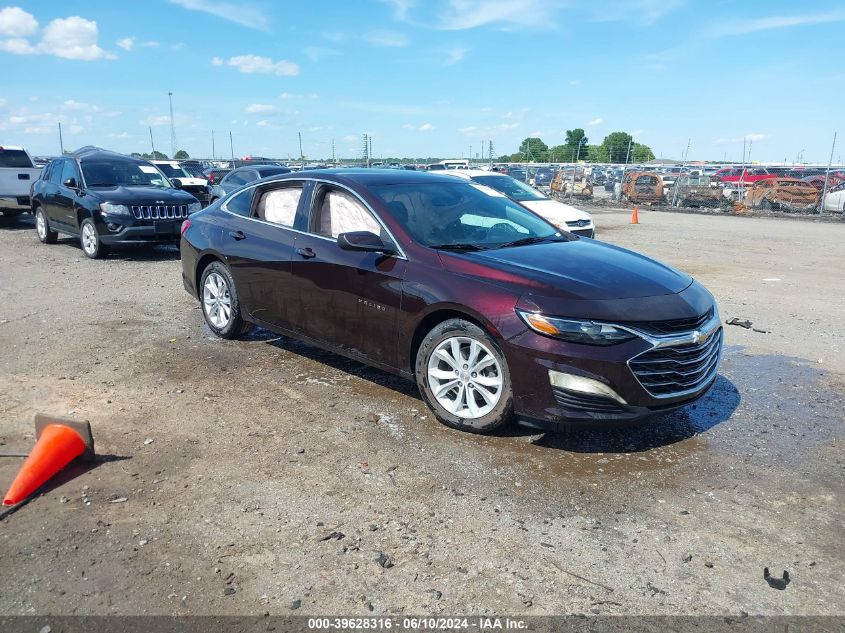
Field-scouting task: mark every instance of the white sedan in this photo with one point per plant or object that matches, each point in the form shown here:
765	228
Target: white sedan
563	216
834	201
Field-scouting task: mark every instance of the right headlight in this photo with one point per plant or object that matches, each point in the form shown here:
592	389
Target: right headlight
576	331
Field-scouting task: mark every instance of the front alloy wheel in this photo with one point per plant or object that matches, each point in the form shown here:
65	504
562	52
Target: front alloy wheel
90	240
220	304
463	377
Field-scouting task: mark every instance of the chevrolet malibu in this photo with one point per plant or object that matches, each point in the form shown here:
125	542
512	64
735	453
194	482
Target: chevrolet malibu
494	312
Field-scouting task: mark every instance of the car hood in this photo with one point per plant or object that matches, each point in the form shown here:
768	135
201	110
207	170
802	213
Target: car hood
578	270
556	212
143	195
193	182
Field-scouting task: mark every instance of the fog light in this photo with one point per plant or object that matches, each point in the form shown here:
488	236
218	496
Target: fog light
113	227
580	384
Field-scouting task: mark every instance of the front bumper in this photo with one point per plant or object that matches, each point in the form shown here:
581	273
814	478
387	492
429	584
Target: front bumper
122	231
617	396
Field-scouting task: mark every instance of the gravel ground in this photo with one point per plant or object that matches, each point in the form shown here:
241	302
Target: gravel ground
264	475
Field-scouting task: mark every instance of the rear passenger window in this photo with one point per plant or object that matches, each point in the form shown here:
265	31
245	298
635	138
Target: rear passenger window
279	206
240	204
234	179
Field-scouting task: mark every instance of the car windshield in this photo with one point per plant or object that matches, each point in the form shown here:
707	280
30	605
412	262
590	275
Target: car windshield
122	173
463	216
173	171
512	188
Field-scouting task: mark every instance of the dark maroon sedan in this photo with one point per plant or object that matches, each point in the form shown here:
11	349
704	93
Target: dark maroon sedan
493	311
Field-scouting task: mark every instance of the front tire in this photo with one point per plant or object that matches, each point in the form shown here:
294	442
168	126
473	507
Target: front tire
463	377
42	228
221	307
89	239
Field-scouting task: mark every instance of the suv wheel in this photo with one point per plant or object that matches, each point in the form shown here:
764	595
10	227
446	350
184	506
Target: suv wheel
463	377
220	305
89	238
42	228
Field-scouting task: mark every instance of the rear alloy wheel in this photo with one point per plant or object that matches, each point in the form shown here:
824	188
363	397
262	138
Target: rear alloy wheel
89	238
42	228
220	305
464	378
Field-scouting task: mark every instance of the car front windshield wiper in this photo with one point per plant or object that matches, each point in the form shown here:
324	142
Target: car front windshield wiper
525	241
458	247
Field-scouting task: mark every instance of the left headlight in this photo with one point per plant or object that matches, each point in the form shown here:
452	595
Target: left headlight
576	331
114	209
194	207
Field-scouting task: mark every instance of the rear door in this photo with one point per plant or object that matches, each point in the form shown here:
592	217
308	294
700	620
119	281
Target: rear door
258	240
350	299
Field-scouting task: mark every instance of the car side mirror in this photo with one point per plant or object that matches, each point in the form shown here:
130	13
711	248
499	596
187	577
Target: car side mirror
176	183
70	183
364	241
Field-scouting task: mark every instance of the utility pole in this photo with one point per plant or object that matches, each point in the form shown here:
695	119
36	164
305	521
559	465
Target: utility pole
232	147
172	127
152	143
212	145
334	159
301	157
61	143
683	165
827	175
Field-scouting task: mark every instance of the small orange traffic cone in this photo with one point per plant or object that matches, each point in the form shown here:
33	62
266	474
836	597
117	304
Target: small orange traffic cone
635	216
59	443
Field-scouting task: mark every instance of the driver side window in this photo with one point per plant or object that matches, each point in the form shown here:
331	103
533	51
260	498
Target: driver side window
336	212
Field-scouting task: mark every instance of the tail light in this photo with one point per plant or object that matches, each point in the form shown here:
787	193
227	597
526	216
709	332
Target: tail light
185	226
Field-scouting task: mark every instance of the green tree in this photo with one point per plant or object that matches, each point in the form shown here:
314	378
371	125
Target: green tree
533	149
156	155
181	155
615	146
641	153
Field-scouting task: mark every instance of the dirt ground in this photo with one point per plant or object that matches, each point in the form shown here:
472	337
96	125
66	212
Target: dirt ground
264	475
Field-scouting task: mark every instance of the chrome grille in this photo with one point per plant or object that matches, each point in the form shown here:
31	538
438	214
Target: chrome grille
160	211
678	369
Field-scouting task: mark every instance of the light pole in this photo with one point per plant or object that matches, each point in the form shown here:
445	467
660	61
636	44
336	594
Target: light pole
172	127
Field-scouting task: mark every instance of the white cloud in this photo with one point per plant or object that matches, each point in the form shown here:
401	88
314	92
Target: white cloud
288	95
72	105
594	122
263	123
386	38
467	130
743	27
119	135
316	53
258	64
151	44
72	38
16	23
753	137
127	43
401	8
156	120
513	14
238	12
455	55
259	108
756	136
69	38
426	127
575	82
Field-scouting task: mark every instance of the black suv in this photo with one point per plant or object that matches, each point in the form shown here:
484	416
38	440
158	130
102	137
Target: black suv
107	198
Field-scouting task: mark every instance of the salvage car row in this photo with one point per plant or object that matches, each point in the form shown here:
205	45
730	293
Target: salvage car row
491	297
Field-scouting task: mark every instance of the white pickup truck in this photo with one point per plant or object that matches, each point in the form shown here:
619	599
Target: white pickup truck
17	173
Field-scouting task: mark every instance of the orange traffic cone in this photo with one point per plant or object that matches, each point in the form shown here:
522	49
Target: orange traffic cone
635	216
59	443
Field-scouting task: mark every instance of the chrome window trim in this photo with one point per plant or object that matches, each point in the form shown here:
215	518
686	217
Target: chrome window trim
256	184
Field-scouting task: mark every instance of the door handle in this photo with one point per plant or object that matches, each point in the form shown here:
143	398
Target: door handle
307	253
238	235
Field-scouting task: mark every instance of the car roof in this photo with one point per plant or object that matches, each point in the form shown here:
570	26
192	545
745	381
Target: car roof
370	177
89	152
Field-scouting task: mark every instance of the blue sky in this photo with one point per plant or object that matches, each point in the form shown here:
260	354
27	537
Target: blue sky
425	77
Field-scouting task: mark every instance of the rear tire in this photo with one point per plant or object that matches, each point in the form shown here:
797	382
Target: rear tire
463	377
42	228
89	239
221	307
